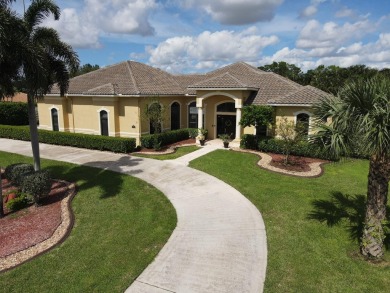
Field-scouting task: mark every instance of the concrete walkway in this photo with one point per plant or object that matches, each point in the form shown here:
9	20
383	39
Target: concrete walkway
219	244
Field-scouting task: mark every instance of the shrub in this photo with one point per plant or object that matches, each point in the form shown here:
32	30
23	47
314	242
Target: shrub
165	138
192	132
16	172
96	142
13	113
37	184
248	141
20	202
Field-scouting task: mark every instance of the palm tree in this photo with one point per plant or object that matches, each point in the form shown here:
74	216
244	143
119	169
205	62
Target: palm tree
47	60
360	122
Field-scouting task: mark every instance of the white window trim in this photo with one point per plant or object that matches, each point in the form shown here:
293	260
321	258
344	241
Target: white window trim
58	116
108	120
303	112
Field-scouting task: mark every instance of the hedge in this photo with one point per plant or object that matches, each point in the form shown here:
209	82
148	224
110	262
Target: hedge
162	139
272	145
95	142
13	113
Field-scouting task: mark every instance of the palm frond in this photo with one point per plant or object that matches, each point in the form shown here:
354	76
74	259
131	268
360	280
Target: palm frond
38	11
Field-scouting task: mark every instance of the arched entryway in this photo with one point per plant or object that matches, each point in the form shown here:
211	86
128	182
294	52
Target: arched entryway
175	116
54	119
104	123
226	119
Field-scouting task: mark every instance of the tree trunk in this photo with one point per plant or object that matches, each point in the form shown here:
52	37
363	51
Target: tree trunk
378	184
32	120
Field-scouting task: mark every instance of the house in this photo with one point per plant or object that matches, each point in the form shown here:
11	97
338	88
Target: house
111	100
17	98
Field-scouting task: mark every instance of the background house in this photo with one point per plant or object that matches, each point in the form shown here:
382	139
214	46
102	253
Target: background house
110	101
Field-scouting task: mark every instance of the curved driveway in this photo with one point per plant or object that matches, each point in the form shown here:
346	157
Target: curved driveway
219	244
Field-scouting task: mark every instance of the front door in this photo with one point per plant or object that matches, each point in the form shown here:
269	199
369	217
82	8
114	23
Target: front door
226	124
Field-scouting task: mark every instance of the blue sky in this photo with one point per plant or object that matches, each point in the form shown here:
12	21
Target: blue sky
184	36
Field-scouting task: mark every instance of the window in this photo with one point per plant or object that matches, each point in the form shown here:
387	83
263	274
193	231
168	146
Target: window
155	116
54	119
303	123
192	115
104	123
175	116
227	107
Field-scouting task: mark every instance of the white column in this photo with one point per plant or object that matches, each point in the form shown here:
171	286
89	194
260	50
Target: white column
200	117
238	125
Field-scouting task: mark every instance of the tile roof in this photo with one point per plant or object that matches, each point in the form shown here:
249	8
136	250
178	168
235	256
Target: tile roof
307	95
134	78
225	80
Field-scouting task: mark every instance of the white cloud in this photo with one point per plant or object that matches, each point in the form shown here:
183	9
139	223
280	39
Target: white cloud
82	28
332	35
312	9
208	49
375	54
236	12
345	12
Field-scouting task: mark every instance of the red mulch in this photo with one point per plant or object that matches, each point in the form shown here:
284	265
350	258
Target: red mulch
163	149
297	164
32	225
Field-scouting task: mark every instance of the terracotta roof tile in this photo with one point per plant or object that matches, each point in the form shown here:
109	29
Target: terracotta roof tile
134	78
225	80
306	95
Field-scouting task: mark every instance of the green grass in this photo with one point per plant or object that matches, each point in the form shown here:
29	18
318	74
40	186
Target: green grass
121	224
304	253
181	151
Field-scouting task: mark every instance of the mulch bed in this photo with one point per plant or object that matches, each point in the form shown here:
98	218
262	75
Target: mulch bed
27	227
170	146
297	164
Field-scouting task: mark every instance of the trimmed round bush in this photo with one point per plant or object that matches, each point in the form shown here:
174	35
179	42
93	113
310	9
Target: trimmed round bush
16	172
37	184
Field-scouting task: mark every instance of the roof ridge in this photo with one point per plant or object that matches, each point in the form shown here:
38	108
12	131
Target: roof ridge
100	69
216	77
128	65
255	69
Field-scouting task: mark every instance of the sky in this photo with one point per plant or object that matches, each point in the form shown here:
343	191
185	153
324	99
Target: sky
185	36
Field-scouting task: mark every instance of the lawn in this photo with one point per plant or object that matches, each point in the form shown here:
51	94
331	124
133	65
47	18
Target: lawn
121	224
311	224
181	151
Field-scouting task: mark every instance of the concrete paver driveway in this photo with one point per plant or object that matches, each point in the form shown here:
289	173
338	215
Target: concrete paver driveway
219	244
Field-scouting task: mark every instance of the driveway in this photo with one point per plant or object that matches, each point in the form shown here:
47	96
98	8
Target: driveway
219	244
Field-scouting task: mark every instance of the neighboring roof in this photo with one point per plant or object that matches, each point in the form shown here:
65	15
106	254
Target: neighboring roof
137	79
307	95
18	97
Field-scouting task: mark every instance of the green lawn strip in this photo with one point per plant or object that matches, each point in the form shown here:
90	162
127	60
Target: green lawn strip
121	224
304	255
181	151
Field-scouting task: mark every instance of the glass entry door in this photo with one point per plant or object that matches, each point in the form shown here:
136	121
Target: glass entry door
226	124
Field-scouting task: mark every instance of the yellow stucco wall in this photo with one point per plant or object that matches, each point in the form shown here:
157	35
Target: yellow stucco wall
82	114
291	113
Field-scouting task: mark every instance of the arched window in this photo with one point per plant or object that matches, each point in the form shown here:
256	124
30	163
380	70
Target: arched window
104	123
54	119
227	107
175	116
155	116
303	123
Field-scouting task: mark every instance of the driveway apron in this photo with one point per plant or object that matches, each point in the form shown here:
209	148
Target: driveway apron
219	243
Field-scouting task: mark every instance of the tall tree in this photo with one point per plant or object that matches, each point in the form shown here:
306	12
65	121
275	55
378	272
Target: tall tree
360	118
85	69
46	60
285	69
